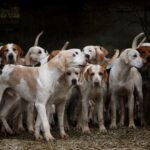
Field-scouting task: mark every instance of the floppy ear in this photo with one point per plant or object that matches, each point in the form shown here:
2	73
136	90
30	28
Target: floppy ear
27	59
99	56
124	56
86	72
20	53
105	51
105	76
62	65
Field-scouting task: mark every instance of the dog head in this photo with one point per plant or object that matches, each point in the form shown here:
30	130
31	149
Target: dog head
132	58
11	54
95	53
35	55
69	58
95	74
144	51
73	75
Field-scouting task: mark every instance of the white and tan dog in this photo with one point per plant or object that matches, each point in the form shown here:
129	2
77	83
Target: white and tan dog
63	91
36	54
11	54
94	86
37	84
97	55
123	81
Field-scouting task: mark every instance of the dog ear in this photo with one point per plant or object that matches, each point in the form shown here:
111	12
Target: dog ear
20	54
62	65
124	56
105	51
86	72
99	55
105	76
27	58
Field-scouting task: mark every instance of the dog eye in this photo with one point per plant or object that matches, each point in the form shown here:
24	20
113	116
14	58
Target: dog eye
142	52
100	73
39	52
74	55
92	74
14	49
76	52
6	50
90	50
135	56
76	73
68	73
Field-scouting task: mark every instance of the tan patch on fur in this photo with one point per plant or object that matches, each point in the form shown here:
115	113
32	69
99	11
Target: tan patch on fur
105	51
18	51
28	74
53	54
144	51
104	72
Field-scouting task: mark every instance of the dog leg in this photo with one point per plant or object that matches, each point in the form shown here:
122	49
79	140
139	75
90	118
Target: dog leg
7	127
60	111
131	110
30	117
113	111
85	126
42	114
100	111
122	105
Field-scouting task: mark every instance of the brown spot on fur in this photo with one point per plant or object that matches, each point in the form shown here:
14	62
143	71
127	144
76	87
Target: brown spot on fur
29	74
3	53
144	51
53	54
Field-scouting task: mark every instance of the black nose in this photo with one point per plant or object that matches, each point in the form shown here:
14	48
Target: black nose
96	83
74	81
10	56
148	59
87	56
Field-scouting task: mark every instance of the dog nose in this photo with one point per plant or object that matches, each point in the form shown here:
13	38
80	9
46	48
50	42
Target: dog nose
10	56
87	56
74	81
96	83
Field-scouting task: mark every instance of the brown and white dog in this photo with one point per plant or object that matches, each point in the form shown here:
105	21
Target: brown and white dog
97	55
11	54
124	79
36	53
60	97
93	86
37	84
144	50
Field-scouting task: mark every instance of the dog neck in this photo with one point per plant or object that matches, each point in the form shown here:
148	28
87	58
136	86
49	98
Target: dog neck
123	70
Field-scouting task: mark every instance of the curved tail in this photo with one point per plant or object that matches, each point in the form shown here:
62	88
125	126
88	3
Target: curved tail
37	38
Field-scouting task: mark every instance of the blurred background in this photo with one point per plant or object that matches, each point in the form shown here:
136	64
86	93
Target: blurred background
112	24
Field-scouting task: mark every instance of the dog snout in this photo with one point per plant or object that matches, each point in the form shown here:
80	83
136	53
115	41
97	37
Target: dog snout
96	83
74	81
87	56
10	56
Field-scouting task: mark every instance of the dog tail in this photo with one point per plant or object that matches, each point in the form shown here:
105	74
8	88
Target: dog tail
135	40
65	45
37	38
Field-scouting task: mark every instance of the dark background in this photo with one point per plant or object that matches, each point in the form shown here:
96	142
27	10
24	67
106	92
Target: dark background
112	24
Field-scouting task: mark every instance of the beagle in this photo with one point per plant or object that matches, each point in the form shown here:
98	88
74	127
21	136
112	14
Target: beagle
37	84
144	50
11	54
124	79
97	55
60	97
93	86
36	53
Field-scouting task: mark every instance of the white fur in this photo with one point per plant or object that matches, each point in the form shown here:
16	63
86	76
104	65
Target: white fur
124	78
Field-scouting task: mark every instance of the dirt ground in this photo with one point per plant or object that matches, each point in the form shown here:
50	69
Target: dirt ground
123	138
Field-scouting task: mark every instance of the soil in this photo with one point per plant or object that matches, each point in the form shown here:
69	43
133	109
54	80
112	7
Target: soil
122	138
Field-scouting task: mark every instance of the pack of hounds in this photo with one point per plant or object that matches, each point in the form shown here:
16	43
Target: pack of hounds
73	87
